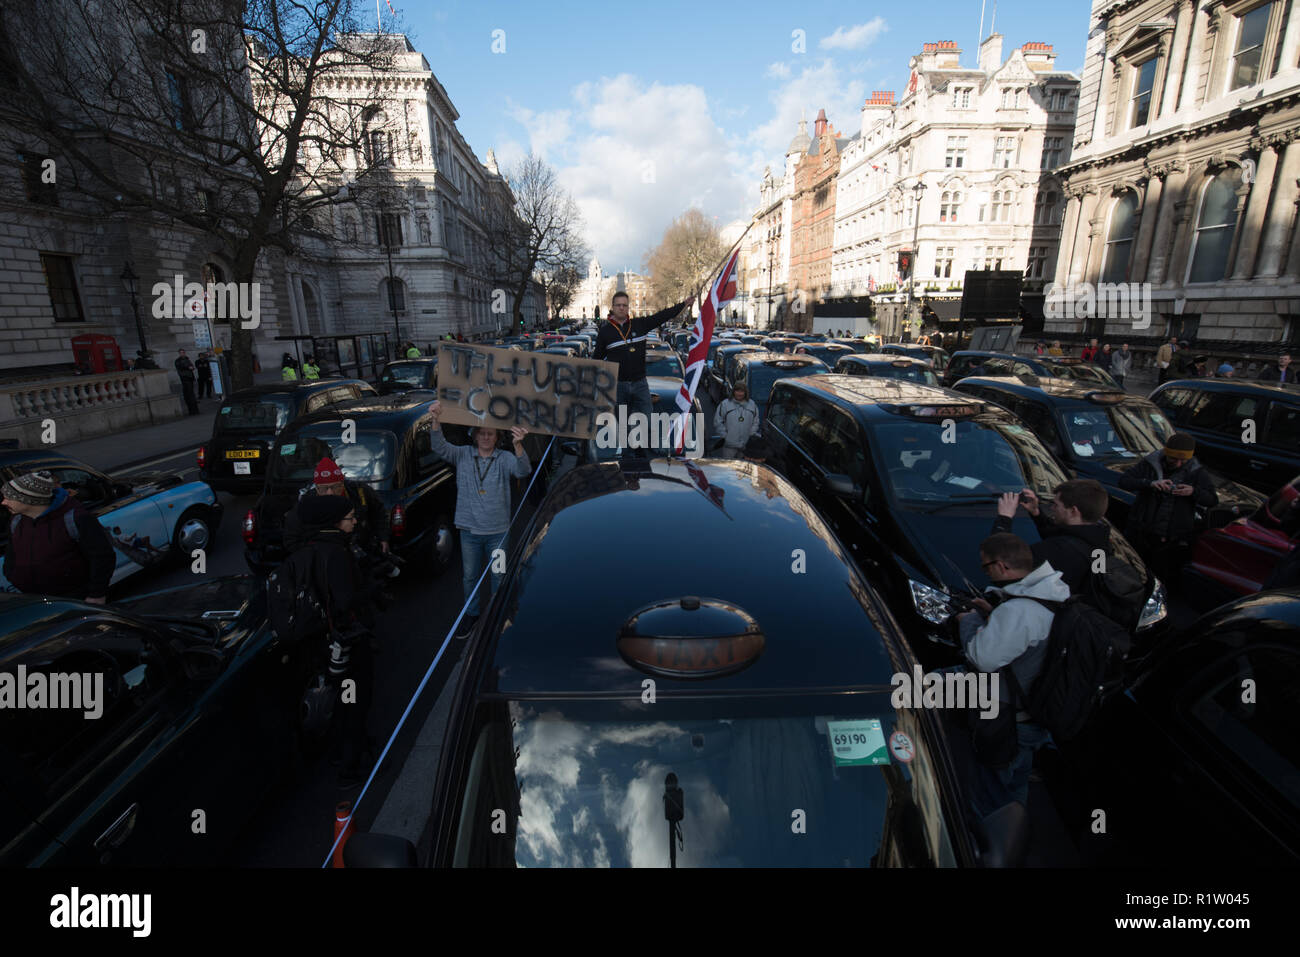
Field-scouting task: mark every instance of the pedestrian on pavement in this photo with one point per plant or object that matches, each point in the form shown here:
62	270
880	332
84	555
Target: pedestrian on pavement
1103	357
1120	363
735	420
204	369
144	359
622	340
288	369
483	474
1280	374
1165	357
310	369
1056	349
185	369
1170	485
1224	371
412	351
56	547
1012	635
1089	353
1041	348
340	589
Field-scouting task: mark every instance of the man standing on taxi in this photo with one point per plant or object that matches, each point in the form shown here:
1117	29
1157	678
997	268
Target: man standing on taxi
622	340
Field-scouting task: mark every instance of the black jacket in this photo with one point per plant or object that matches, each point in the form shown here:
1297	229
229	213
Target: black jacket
184	367
1162	514
372	525
1274	375
626	345
337	578
1069	548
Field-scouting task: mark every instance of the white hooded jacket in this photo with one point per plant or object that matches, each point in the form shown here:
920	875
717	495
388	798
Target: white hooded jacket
1016	632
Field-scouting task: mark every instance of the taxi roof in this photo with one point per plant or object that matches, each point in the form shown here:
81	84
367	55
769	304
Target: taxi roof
871	390
766	356
1056	388
623	530
885	358
384	411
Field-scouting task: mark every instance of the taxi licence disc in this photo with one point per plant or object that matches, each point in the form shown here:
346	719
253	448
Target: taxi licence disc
244	454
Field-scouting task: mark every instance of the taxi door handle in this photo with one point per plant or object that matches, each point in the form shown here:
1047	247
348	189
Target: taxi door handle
117	832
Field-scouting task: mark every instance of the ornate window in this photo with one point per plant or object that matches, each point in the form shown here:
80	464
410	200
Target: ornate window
1119	239
1215	225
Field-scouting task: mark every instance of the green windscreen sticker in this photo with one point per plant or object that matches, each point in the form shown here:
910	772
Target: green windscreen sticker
859	742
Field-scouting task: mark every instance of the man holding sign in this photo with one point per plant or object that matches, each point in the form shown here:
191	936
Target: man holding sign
622	340
483	474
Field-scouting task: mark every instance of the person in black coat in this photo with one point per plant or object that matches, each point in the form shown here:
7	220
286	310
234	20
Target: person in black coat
205	376
1070	533
185	369
1170	485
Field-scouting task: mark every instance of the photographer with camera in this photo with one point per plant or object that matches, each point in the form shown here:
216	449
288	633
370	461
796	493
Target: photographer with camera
1170	485
337	580
1011	635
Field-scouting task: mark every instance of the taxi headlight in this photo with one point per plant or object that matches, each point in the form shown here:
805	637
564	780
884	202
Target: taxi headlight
931	603
1156	609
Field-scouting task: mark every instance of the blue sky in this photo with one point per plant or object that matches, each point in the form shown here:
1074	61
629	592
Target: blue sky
648	109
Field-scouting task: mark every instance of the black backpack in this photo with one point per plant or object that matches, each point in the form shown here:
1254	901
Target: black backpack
1119	593
1082	667
293	603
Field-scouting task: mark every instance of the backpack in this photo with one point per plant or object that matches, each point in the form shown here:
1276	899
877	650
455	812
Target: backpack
1119	593
293	603
1082	667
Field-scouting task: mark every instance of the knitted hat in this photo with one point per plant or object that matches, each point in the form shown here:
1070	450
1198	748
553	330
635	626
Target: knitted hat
323	509
327	472
34	488
1180	445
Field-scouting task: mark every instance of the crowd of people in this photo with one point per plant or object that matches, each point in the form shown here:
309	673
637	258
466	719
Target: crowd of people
1175	359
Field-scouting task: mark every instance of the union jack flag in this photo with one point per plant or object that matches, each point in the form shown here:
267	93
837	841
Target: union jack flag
721	292
871	284
713	493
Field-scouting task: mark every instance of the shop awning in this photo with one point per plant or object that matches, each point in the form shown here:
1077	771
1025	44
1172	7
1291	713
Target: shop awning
942	310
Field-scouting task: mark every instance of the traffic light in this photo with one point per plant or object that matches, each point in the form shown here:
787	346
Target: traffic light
905	264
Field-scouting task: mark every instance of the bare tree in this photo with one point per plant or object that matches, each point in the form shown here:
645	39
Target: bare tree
540	234
209	113
684	258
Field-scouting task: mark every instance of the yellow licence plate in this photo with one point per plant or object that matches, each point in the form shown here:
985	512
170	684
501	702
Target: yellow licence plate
244	454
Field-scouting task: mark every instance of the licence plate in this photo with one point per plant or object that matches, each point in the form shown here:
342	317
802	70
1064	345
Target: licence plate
243	468
244	454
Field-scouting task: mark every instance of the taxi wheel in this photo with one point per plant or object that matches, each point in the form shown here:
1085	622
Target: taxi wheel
442	551
193	530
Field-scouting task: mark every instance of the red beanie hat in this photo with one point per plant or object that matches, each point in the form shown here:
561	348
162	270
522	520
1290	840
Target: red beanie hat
327	472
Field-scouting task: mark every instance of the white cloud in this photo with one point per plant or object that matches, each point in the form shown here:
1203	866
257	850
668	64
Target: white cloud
547	130
854	38
822	86
779	70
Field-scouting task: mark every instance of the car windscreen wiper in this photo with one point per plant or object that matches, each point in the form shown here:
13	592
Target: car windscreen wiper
962	499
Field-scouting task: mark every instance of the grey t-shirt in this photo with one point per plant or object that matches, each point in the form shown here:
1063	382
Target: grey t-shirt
486	512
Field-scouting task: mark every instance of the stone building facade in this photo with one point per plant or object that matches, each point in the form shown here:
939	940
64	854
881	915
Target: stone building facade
813	223
1185	173
983	144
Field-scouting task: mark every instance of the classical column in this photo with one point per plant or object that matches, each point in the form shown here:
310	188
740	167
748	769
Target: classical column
1281	216
1096	241
1065	249
1177	57
1087	196
1258	201
1149	211
1167	254
1238	233
1290	40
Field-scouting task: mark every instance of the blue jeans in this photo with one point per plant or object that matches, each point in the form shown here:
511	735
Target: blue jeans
636	396
993	789
475	555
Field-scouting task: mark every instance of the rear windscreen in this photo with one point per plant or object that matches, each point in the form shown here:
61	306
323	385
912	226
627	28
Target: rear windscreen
269	413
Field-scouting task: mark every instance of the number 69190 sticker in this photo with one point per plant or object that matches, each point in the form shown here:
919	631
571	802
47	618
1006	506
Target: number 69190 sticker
858	742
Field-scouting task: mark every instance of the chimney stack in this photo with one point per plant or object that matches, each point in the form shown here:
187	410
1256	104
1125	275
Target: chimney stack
819	128
991	53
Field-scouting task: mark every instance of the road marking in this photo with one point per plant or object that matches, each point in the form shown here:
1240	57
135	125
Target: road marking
143	466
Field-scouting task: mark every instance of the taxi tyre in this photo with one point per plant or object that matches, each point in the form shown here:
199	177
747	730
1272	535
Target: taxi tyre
193	530
443	544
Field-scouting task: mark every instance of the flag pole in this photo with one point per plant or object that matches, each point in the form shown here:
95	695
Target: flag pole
379	21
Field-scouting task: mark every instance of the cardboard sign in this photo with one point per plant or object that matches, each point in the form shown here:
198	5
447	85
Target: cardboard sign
537	391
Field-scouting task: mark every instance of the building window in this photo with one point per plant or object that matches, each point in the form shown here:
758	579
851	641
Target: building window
1001	206
1252	28
61	283
948	204
1037	262
943	262
178	90
1052	147
961	97
1214	228
1144	80
956	155
1119	239
38	191
1045	209
1004	152
377	142
388	230
396	295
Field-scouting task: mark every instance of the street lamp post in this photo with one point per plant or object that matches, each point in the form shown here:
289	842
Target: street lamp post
392	292
130	280
917	190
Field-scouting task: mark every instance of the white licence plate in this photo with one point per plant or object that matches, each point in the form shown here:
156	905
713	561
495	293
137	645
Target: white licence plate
243	468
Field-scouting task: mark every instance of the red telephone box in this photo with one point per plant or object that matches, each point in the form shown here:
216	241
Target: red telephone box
97	353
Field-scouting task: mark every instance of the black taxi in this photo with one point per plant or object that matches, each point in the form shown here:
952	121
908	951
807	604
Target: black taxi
908	476
688	717
721	374
380	442
403	375
887	365
1100	433
937	357
234	459
758	371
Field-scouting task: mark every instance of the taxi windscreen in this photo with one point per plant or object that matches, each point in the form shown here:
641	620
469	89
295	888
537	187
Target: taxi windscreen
762	377
665	365
771	782
907	371
269	413
413	374
964	458
369	459
1125	431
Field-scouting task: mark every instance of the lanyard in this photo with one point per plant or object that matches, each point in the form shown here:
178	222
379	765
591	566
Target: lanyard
484	474
622	335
